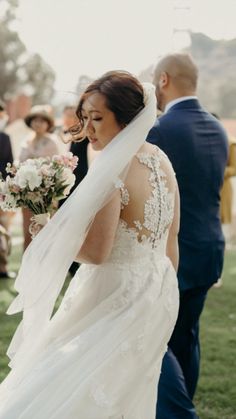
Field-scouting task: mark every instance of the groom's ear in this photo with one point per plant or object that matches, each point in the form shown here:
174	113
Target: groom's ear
164	79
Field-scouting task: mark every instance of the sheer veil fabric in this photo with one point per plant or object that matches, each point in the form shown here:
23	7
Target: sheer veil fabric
46	261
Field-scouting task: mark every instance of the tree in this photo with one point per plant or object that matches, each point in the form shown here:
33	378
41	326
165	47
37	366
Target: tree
11	49
40	78
20	71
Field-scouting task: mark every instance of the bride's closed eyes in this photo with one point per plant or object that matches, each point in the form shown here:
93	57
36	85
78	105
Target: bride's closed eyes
97	118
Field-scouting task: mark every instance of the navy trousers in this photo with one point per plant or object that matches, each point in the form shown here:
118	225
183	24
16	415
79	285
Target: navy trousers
180	369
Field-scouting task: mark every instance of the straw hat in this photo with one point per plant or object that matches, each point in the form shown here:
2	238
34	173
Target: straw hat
42	111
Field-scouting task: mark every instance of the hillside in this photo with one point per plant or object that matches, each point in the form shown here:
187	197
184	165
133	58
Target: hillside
216	60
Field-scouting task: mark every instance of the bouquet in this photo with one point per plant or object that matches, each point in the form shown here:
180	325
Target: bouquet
38	184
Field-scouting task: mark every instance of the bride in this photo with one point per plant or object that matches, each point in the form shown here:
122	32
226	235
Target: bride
99	356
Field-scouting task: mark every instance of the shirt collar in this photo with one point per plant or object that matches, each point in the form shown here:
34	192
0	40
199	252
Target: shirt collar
175	101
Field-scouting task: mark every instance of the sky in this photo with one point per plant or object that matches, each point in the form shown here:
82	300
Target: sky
77	37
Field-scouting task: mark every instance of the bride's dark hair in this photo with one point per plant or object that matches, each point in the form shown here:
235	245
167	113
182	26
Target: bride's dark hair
123	94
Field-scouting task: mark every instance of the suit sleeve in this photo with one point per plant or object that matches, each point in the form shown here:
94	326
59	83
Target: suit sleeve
154	135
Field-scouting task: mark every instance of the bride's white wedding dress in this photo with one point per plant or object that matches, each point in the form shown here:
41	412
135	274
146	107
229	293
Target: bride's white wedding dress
101	355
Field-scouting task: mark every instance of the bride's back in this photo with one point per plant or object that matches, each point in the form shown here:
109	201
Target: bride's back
148	194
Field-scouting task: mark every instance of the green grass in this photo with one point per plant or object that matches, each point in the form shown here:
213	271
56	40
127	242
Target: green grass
8	323
216	394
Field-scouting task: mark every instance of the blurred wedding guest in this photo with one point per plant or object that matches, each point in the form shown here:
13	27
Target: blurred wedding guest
69	119
5	216
197	146
79	149
226	210
6	155
42	144
227	190
226	207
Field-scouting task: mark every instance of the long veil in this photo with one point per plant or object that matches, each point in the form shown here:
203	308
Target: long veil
46	261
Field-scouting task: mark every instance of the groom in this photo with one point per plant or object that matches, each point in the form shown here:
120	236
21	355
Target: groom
196	145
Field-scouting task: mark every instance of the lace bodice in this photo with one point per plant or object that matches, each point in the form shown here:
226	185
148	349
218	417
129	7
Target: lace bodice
157	214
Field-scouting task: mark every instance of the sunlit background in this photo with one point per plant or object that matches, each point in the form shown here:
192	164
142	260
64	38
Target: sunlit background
89	37
51	49
81	39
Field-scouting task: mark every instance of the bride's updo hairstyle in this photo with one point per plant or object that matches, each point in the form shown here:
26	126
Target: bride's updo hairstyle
124	97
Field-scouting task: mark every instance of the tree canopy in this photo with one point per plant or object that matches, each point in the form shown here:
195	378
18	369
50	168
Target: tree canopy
19	70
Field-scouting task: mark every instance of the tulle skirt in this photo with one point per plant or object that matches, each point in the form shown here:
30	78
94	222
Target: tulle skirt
100	356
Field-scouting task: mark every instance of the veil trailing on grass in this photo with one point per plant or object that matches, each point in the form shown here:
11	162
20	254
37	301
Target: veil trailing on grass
46	261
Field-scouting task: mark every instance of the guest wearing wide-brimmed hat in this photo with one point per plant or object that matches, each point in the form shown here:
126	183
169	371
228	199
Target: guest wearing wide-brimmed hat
41	111
41	121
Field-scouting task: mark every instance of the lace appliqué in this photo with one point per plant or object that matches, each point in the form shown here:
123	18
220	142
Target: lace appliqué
99	396
123	192
70	296
159	208
130	290
169	294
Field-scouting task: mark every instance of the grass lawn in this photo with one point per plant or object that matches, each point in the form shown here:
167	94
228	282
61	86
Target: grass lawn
216	394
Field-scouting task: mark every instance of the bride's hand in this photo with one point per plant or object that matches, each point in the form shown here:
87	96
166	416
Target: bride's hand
38	221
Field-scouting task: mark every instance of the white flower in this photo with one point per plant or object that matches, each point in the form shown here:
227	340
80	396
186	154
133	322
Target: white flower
28	175
9	203
2	186
68	178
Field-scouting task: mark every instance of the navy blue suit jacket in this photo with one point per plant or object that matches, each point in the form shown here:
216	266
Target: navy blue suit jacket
79	149
197	146
5	153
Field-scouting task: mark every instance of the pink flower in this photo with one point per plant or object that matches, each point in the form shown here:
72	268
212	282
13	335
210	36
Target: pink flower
66	160
46	170
58	159
14	188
